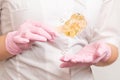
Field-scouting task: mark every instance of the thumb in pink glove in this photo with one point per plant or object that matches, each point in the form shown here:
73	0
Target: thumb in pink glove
90	54
29	32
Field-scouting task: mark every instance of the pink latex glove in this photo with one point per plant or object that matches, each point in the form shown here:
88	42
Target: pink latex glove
90	54
29	32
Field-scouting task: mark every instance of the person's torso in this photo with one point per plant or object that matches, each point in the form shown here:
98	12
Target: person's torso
43	60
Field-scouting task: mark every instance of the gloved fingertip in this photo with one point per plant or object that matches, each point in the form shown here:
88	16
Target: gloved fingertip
53	38
74	60
42	40
66	59
21	40
62	66
25	41
66	64
62	59
49	38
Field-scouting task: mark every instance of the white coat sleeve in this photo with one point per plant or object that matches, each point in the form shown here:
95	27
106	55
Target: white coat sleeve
0	15
108	25
5	19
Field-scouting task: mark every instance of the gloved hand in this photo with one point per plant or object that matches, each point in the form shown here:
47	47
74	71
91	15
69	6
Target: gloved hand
90	54
29	32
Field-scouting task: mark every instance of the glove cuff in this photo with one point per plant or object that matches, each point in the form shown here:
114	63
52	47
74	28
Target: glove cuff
11	46
103	51
107	52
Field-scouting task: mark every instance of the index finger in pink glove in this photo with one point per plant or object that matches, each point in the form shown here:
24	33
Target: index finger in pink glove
29	32
50	31
67	64
29	37
36	34
66	58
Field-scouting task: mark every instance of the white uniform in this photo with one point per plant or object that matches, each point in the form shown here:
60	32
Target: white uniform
42	61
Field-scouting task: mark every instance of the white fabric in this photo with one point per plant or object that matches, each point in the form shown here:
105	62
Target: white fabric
42	61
